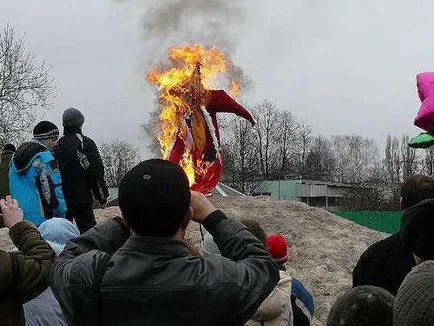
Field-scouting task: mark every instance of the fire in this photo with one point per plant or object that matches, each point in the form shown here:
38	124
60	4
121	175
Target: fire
187	165
235	89
181	85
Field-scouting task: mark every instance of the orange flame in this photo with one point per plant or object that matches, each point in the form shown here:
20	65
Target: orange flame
175	82
235	89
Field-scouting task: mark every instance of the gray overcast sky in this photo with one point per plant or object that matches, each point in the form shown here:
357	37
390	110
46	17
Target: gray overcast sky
343	66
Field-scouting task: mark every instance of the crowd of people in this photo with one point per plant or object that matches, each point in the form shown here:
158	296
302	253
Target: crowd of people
139	269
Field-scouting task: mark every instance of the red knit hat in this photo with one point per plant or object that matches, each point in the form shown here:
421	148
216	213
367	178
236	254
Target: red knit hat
277	247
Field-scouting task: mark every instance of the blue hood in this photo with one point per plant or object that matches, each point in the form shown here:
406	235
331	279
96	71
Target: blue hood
57	232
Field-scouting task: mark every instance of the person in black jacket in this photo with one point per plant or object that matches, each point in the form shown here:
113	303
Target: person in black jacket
386	263
81	169
417	230
108	277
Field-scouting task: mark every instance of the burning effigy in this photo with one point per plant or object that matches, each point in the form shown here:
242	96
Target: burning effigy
188	128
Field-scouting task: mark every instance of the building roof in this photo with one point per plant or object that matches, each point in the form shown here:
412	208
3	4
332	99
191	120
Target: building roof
220	190
330	183
225	191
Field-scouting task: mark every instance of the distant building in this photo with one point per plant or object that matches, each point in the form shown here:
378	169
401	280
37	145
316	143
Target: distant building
328	195
220	190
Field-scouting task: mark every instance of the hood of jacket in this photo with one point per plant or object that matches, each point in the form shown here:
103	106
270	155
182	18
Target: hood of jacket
72	130
7	153
6	156
57	232
274	305
25	154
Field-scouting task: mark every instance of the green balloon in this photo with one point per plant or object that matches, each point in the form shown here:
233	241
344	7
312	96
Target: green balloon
423	140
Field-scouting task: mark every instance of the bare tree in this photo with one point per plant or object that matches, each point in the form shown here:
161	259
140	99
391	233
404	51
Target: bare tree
25	87
320	161
392	161
304	140
356	158
287	148
408	158
267	132
118	158
241	169
400	160
429	161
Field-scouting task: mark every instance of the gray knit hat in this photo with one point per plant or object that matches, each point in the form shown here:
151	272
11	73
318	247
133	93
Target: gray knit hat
414	305
72	118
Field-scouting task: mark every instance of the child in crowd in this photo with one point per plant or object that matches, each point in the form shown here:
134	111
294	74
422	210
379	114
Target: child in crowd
302	302
45	310
302	306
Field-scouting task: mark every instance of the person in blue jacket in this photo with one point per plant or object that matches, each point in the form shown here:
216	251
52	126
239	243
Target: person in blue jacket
34	178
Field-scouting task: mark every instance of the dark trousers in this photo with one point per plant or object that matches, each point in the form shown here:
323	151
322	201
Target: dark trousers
83	216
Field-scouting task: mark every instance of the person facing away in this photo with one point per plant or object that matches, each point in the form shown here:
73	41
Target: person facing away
387	262
34	177
82	170
23	273
415	299
303	306
6	156
44	309
276	309
136	270
417	230
363	305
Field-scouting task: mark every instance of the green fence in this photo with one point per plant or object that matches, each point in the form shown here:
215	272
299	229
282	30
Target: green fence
384	221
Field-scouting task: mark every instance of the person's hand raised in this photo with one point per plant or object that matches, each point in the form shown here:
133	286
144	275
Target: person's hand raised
12	213
201	206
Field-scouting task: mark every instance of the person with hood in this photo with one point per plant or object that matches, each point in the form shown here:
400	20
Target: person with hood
44	309
388	261
6	156
23	273
415	298
417	230
277	308
34	177
82	170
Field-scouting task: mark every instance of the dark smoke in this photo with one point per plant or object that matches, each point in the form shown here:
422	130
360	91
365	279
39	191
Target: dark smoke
210	22
206	21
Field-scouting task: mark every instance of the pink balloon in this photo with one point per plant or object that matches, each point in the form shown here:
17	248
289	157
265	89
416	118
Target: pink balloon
425	84
425	116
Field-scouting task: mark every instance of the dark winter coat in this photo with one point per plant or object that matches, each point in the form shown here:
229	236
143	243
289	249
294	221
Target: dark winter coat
24	273
153	281
384	264
79	184
6	157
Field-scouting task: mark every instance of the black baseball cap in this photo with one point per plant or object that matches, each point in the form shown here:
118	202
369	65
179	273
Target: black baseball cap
154	197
